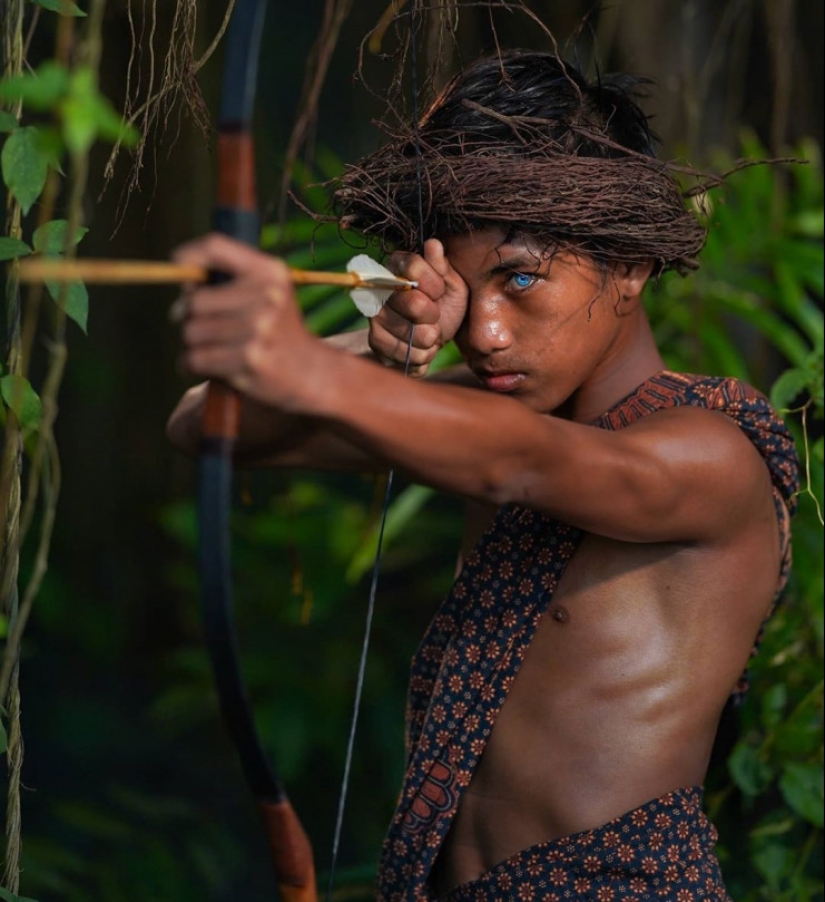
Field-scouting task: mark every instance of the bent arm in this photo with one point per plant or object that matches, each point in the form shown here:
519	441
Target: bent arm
272	438
679	475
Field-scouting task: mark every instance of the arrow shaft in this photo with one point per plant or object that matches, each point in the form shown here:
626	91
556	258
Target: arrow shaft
125	272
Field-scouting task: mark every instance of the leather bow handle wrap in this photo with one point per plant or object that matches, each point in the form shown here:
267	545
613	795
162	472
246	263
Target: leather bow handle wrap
236	215
291	851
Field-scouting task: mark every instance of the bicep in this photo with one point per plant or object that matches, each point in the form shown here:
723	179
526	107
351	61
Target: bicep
675	476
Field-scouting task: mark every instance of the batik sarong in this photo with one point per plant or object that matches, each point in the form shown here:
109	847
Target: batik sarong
474	647
660	852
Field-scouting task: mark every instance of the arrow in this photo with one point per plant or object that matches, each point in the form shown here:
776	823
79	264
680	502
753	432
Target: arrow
120	272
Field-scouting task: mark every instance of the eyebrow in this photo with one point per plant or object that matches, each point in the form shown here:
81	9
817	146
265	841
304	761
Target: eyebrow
518	262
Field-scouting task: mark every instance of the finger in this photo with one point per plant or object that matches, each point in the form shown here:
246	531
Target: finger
436	256
397	328
214	362
397	352
413	306
416	269
216	330
238	298
219	253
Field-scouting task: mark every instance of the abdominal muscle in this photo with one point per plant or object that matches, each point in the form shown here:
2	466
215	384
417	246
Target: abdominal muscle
616	703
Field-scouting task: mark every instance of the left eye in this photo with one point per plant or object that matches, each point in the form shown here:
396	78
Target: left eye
522	279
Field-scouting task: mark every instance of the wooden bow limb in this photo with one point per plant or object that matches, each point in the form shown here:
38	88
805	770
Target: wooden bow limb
124	272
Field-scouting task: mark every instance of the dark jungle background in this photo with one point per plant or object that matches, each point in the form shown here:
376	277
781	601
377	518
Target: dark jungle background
131	792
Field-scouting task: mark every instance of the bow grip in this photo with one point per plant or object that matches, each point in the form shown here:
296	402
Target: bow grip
221	413
236	215
291	852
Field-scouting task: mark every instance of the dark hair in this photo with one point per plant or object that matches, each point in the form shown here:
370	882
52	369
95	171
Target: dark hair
543	88
524	142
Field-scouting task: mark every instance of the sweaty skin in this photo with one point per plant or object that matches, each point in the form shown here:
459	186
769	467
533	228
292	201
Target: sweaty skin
651	626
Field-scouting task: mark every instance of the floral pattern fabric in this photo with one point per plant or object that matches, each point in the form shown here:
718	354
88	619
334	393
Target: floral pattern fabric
661	852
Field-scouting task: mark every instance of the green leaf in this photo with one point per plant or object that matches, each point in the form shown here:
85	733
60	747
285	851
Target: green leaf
51	147
808	223
402	510
79	126
788	387
87	115
24	166
8	123
802	789
750	773
11	248
4	739
39	90
774	861
773	705
62	7
22	399
50	238
73	299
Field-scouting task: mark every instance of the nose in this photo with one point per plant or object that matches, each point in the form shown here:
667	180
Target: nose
485	329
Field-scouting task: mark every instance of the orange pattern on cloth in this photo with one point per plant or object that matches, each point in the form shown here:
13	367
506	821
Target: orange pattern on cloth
474	647
662	851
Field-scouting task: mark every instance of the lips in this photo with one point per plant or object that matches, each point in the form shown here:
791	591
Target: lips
500	382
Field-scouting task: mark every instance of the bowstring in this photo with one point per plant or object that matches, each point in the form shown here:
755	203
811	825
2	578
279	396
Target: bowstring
385	505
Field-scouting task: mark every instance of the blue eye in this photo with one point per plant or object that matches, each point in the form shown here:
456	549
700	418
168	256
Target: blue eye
522	279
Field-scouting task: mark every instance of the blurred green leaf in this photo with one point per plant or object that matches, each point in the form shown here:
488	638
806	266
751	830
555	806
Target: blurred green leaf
788	387
24	166
750	772
774	861
50	238
38	90
802	788
11	248
73	299
8	123
63	7
399	515
20	397
808	224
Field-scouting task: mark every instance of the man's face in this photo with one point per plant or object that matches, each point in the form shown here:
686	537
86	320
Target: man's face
539	325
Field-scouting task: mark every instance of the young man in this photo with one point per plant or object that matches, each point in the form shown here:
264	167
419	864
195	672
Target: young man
628	527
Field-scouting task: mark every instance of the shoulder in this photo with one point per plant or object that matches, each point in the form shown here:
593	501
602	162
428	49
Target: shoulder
703	468
756	421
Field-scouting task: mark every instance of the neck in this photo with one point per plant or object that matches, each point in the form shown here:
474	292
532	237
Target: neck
633	360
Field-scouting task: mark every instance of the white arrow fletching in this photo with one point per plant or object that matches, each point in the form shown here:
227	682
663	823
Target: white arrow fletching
369	301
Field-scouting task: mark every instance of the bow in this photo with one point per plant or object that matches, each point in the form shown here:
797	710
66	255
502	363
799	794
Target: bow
235	215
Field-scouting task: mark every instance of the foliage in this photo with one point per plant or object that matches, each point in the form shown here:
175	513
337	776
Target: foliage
754	310
65	95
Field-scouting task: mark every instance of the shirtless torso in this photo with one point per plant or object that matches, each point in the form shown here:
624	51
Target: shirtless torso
619	696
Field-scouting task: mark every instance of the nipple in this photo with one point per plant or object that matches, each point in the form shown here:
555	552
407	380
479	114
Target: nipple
560	613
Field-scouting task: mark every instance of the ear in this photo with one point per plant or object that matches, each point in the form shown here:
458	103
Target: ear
630	280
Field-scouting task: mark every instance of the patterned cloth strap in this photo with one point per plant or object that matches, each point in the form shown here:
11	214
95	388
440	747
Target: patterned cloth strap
474	647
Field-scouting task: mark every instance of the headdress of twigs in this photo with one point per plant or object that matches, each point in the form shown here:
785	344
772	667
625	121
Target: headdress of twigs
565	178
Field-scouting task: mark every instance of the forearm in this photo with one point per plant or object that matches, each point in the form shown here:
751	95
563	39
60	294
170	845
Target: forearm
443	433
638	484
271	437
262	429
